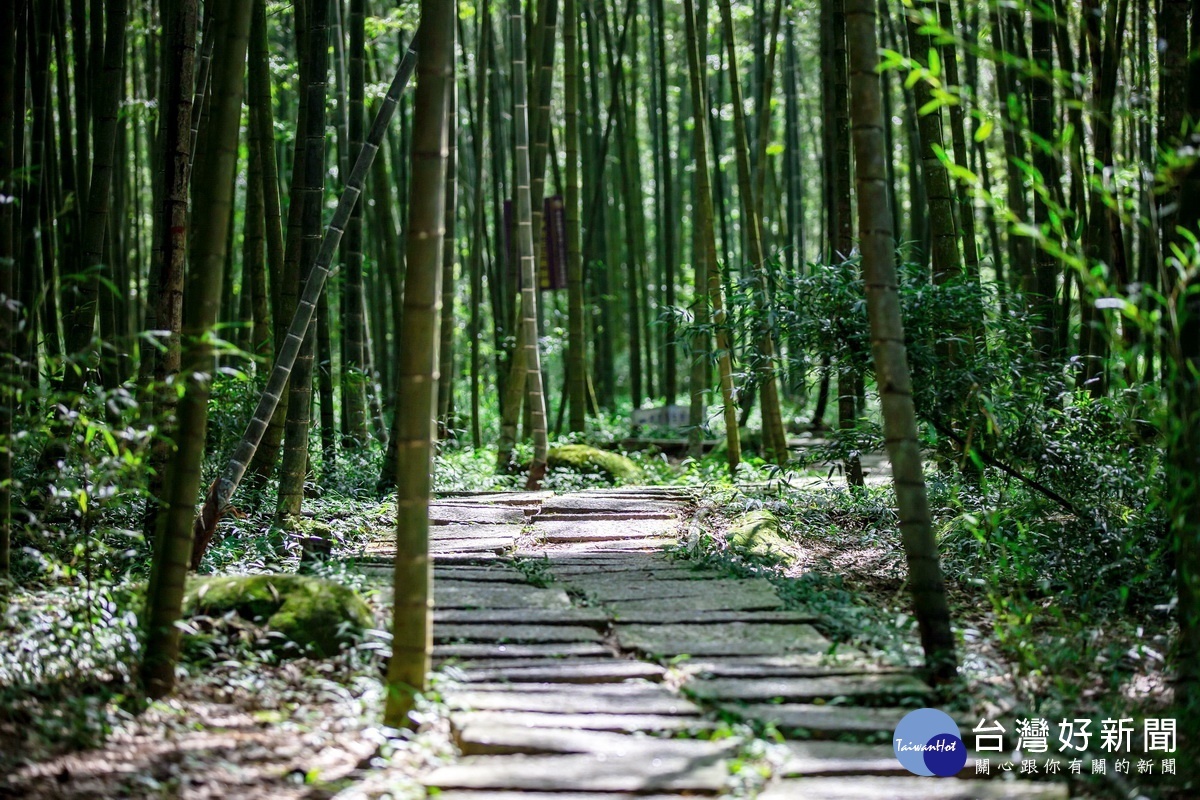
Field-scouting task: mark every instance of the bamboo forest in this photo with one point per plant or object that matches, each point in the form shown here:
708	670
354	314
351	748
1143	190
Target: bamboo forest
600	399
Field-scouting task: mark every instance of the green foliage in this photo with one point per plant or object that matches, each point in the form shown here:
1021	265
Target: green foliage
81	517
316	615
66	656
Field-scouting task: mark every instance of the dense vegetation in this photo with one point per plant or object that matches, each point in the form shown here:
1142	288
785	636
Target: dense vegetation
244	263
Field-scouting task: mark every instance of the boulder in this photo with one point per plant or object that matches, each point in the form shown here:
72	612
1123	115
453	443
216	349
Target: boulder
756	533
319	616
592	461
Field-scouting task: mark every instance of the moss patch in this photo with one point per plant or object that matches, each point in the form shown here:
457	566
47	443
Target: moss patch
318	615
590	461
757	533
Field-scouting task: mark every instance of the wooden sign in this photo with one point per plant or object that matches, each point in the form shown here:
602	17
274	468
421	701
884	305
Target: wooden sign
552	260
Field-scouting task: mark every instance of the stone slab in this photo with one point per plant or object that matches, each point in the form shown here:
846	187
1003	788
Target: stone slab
500	573
656	617
911	788
464	514
613	671
480	531
502	795
610	587
665	571
451	558
866	688
795	665
533	634
440	547
571	700
502	498
478	739
632	689
628	546
529	663
587	559
704	775
591	617
754	595
594	530
722	638
443	652
599	502
469	594
619	723
823	721
825	758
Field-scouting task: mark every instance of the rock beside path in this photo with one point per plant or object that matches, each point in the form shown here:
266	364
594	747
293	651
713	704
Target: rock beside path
318	616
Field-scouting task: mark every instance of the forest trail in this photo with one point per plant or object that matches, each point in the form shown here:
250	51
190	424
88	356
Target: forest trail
585	657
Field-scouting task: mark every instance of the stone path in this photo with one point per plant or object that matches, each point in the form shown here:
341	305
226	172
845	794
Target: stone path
584	663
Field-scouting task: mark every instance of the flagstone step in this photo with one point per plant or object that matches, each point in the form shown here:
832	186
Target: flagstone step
601	772
533	634
867	689
564	650
498	739
613	671
681	724
721	638
861	787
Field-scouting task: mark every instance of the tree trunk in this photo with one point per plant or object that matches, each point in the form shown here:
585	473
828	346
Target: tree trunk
576	342
214	198
708	253
8	107
842	232
171	226
80	325
445	400
307	190
775	440
417	367
355	379
528	340
887	344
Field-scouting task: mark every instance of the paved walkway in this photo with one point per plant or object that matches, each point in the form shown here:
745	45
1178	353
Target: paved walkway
586	664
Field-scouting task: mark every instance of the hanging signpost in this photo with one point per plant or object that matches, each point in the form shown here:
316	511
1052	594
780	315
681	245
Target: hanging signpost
552	259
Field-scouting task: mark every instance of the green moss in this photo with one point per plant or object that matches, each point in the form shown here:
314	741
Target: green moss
318	615
590	460
756	532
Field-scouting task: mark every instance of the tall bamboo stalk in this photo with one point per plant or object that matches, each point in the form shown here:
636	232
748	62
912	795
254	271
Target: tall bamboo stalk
214	197
887	343
417	367
308	192
576	342
354	376
8	102
708	242
528	341
773	433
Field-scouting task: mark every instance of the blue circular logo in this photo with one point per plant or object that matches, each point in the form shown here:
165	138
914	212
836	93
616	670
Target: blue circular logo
927	743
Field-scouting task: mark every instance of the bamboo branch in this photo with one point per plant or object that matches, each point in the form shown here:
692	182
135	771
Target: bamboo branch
992	461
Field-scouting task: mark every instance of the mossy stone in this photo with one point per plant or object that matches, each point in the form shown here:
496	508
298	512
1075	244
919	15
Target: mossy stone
756	532
319	616
590	460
